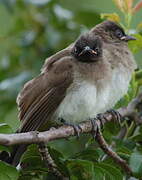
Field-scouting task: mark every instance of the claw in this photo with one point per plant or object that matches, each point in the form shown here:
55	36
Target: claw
98	122
102	119
117	116
77	128
96	125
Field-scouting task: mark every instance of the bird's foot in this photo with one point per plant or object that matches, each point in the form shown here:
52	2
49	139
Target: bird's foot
116	115
77	128
101	117
96	125
98	122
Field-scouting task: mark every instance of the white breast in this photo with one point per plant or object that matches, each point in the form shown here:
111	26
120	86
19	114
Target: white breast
85	100
79	103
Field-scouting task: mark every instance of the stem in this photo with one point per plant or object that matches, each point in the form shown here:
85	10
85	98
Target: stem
130	130
117	159
128	19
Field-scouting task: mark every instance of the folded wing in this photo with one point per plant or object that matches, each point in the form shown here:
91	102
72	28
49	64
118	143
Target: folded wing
41	96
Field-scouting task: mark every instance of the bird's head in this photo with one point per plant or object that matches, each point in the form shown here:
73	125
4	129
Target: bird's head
87	48
111	32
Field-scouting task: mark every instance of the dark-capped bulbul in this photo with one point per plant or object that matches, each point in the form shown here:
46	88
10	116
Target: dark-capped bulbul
85	79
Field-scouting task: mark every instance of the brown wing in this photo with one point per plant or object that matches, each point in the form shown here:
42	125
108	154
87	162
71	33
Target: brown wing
57	56
42	95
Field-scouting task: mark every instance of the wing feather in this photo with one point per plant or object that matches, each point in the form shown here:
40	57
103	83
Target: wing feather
41	96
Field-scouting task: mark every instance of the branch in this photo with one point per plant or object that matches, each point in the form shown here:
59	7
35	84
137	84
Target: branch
104	146
39	137
49	162
63	131
67	131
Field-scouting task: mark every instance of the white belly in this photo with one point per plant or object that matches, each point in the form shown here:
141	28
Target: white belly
86	100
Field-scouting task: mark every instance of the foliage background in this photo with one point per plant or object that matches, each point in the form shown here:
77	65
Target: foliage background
32	30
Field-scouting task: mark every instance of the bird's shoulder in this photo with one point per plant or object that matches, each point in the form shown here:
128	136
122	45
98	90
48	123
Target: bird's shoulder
57	77
56	57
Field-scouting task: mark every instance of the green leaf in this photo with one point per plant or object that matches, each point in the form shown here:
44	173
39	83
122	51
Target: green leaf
5	129
88	154
34	163
125	146
4	148
112	127
89	142
111	16
99	173
136	45
58	159
124	152
137	138
138	74
80	169
12	120
109	172
136	164
8	172
32	159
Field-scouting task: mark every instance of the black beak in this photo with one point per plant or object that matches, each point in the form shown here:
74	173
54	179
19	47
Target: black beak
128	38
86	50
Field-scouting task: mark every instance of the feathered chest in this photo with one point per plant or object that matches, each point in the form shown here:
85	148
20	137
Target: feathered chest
85	100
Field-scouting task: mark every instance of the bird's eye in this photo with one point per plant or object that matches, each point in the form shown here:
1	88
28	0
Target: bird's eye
119	33
96	49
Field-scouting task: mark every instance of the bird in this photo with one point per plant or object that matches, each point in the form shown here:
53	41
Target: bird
87	78
87	49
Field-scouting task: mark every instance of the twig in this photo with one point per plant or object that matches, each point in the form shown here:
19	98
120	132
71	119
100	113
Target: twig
67	131
131	108
46	136
49	162
104	146
64	131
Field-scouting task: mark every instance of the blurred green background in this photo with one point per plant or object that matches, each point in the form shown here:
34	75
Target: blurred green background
32	30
